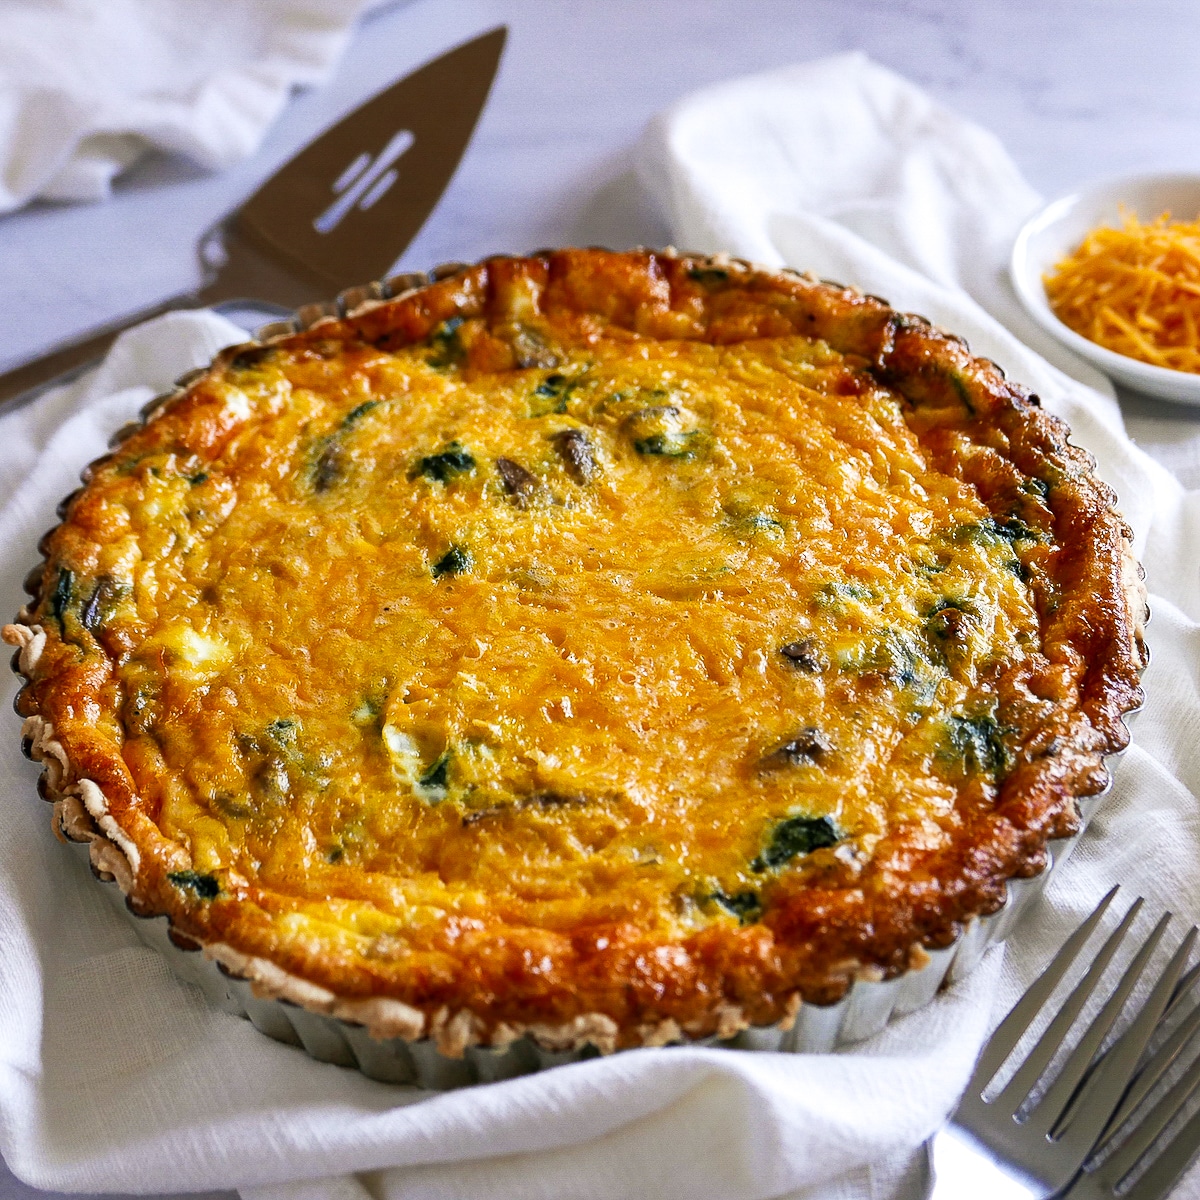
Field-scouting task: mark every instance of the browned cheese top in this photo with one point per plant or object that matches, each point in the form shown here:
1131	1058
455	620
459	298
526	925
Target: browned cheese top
589	635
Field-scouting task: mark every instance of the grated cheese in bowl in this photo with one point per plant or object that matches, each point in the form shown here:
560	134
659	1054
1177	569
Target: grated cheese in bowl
1135	290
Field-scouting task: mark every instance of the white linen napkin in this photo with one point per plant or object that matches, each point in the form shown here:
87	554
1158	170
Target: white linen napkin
114	1076
87	86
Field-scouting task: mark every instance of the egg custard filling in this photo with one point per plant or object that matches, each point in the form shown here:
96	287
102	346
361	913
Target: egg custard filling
540	661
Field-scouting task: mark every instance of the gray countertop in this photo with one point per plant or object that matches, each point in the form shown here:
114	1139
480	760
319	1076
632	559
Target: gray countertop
1076	89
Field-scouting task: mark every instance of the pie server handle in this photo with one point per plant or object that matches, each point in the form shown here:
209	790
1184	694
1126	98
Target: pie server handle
241	276
69	359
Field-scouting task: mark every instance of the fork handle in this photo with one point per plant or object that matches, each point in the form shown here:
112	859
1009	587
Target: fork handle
962	1168
67	359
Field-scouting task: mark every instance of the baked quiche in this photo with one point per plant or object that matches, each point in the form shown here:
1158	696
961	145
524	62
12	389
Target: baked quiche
606	648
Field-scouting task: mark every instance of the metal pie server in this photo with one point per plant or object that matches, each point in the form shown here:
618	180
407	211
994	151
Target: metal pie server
338	214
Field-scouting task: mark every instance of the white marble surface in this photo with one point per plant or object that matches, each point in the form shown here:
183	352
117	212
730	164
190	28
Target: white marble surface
1075	88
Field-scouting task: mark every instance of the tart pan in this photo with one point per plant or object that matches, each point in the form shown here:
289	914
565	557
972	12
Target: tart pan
865	1009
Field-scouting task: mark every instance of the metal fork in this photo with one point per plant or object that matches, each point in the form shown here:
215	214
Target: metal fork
1035	1149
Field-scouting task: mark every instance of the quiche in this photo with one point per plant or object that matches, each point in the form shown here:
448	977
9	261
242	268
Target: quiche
606	648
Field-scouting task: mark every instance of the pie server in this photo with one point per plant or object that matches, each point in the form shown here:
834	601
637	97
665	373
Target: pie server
341	211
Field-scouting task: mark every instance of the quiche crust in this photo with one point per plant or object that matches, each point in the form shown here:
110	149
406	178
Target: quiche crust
994	676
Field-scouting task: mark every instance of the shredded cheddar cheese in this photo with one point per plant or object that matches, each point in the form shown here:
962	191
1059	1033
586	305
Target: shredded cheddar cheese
552	604
1135	290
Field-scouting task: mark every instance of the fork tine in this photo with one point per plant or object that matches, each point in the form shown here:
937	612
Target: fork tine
1176	1155
1114	1074
1153	1123
1039	1057
1160	1062
1181	990
1119	1067
1008	1033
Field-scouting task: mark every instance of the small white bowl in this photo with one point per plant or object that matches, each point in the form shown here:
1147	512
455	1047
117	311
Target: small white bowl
1057	230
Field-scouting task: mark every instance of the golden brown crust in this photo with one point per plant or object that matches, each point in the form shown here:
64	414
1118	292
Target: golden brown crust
618	985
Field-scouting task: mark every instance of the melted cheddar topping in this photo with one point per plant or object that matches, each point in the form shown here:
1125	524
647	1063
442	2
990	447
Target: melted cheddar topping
645	634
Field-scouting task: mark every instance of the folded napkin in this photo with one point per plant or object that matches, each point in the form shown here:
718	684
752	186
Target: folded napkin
87	86
114	1076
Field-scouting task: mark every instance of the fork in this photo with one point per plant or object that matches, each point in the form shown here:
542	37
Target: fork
1008	1146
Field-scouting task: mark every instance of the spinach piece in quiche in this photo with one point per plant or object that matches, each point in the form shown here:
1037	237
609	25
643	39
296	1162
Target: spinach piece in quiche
554	392
748	516
456	561
990	532
661	430
710	277
448	350
901	658
667	445
446	464
836	595
550	396
746	906
952	602
961	390
434	784
897	657
60	597
977	742
203	887
356	414
794	837
761	523
277	763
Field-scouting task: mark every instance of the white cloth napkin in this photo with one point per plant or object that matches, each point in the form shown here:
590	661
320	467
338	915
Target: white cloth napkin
116	1077
87	86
